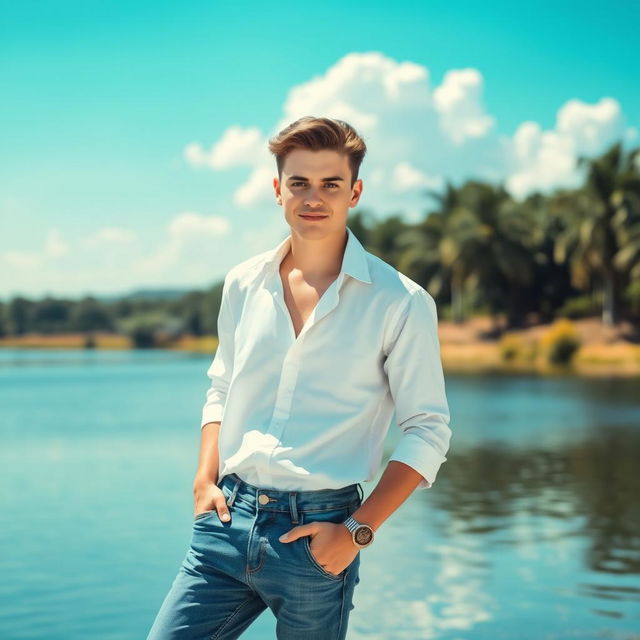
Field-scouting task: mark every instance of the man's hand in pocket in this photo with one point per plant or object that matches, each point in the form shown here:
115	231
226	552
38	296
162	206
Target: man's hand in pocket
207	496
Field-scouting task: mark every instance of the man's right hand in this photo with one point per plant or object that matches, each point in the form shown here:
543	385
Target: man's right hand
207	496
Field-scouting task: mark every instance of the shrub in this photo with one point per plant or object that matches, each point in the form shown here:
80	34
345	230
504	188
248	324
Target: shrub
579	307
561	341
142	328
143	337
510	347
632	296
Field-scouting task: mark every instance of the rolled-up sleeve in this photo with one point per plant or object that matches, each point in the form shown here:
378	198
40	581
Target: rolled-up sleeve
416	382
221	368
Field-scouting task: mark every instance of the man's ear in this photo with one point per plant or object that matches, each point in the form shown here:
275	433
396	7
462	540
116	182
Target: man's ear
276	188
357	192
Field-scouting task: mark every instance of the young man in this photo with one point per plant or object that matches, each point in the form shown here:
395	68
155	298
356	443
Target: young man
320	341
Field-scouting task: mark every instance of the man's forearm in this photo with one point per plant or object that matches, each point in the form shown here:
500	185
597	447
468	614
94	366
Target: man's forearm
395	485
208	460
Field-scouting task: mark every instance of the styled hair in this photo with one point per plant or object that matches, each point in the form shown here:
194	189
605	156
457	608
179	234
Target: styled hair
314	134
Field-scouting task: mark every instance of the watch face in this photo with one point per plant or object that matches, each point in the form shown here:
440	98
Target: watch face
363	535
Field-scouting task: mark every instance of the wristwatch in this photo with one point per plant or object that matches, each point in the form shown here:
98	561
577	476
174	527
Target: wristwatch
362	534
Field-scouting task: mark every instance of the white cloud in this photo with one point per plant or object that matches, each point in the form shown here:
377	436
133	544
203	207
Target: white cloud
590	127
188	251
541	160
188	225
359	88
195	155
22	259
419	135
54	247
458	100
383	99
267	234
109	236
237	147
258	188
405	177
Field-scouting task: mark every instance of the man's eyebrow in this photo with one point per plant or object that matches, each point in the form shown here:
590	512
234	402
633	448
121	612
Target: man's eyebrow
331	179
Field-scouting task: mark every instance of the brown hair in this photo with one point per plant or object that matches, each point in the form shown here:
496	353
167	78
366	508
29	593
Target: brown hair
314	133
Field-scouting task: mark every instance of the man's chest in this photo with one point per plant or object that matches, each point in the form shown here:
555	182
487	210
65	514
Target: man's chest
301	298
323	327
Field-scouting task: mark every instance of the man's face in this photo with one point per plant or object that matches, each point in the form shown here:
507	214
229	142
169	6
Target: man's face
318	183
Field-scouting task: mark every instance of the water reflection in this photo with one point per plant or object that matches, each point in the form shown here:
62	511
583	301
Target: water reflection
531	530
586	490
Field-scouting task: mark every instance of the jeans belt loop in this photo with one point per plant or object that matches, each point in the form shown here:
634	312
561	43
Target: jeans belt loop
232	497
361	492
293	507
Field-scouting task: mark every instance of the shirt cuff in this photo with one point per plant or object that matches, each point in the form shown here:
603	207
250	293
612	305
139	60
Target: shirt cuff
211	413
413	451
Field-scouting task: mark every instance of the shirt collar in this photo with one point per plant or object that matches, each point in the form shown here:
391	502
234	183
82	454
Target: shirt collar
354	259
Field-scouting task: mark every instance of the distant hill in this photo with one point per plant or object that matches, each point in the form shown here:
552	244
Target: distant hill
139	294
145	294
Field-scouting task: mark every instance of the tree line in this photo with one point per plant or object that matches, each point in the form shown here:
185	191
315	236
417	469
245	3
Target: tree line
571	252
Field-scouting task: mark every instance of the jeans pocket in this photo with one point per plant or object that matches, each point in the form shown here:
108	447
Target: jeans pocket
203	514
208	512
336	516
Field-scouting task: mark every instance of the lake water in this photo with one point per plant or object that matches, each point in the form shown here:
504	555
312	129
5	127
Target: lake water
532	529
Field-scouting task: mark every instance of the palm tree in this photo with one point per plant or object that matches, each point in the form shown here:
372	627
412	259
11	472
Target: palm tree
517	253
477	242
627	260
382	238
601	238
433	252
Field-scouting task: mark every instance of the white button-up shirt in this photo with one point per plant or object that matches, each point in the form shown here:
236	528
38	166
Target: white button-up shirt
312	412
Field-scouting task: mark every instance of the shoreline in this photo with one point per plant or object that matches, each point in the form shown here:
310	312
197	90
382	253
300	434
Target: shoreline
472	347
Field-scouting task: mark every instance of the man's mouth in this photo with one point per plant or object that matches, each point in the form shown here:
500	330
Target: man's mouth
313	216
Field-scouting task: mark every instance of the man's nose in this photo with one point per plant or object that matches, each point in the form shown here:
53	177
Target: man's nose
313	198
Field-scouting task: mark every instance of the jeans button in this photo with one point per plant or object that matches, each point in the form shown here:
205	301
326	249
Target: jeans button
263	498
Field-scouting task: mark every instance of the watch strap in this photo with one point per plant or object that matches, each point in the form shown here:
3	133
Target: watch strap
353	525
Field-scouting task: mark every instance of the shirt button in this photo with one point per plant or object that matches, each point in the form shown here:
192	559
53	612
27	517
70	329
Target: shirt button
263	498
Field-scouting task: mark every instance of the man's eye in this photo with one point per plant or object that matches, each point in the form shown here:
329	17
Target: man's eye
326	184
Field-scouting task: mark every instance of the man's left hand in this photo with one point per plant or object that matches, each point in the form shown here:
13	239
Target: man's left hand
331	544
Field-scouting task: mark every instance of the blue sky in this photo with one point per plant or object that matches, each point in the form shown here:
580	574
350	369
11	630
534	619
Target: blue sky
134	133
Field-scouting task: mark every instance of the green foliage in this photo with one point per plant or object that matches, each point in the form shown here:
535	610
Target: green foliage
560	341
476	250
18	315
51	315
579	307
88	314
150	328
510	347
632	297
142	336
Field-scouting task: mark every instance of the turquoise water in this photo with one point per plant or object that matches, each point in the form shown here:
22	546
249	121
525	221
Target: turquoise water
532	529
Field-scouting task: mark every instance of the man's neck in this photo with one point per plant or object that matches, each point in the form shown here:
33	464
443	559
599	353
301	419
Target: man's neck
315	259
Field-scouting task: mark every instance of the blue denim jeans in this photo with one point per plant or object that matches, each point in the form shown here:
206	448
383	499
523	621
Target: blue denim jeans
234	570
